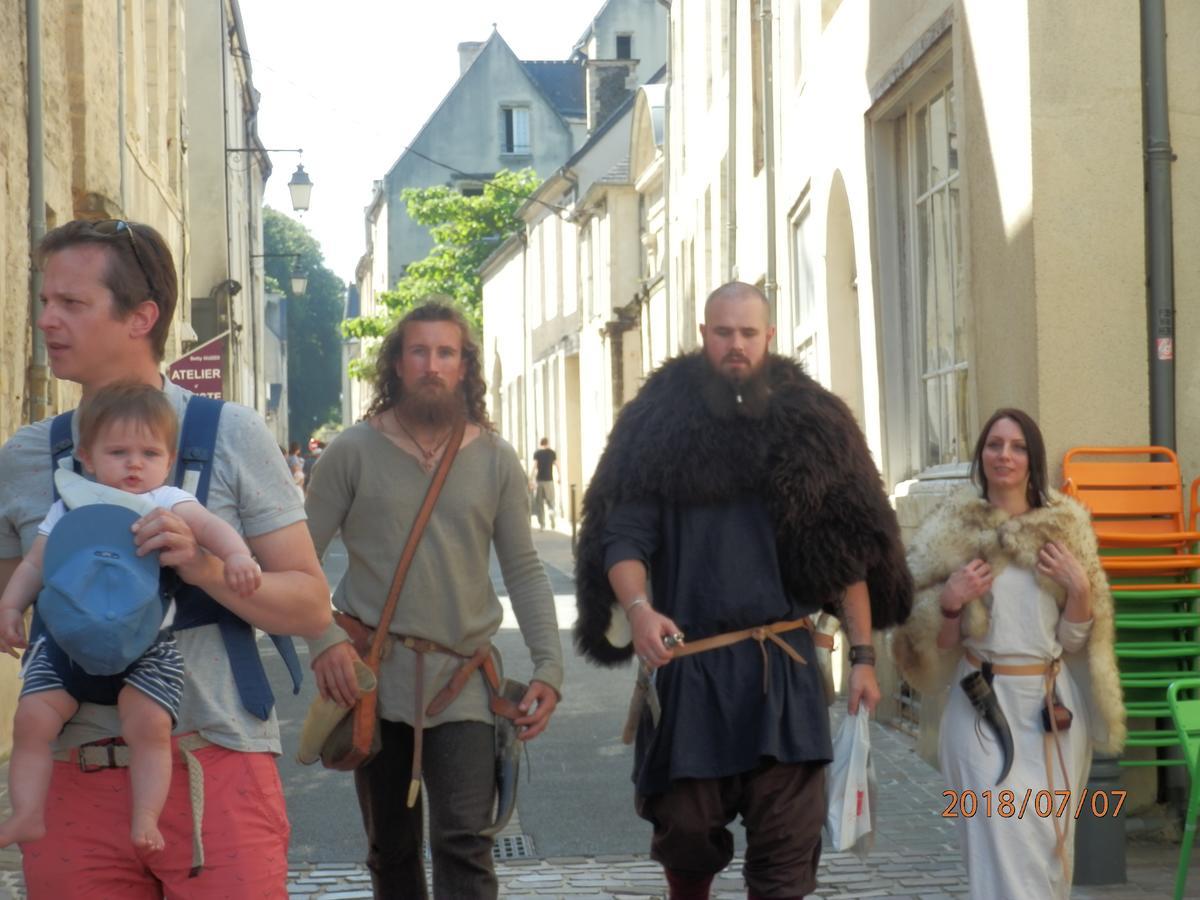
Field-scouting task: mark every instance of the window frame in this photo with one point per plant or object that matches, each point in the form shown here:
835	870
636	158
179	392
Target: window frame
508	130
899	297
807	319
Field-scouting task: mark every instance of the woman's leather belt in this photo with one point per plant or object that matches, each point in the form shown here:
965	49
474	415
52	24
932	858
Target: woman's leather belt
1040	668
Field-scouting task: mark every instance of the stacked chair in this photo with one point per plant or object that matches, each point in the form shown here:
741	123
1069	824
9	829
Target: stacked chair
1148	550
1186	714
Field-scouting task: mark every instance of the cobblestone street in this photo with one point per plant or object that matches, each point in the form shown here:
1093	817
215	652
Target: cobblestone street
915	855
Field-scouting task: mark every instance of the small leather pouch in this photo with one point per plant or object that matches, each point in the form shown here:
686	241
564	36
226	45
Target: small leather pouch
1062	717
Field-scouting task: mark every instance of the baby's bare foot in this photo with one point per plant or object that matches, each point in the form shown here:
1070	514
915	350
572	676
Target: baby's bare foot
145	834
20	828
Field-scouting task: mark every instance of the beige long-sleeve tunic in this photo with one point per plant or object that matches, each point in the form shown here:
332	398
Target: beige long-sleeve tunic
370	490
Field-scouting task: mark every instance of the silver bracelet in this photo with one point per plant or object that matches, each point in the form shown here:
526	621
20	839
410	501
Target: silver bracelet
636	602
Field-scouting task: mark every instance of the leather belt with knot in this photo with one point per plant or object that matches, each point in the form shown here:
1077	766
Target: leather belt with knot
762	634
481	660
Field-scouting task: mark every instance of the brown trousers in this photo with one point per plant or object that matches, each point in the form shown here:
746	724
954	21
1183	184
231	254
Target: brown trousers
782	806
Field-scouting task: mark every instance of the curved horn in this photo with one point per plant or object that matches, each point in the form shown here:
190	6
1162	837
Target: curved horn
983	698
508	757
507	771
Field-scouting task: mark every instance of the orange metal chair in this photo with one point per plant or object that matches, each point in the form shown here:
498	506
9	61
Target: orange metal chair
1147	547
1137	507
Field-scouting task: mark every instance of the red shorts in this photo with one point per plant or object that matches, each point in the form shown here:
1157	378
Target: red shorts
87	852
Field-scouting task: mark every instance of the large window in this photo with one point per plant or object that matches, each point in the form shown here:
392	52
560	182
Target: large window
514	133
923	302
938	303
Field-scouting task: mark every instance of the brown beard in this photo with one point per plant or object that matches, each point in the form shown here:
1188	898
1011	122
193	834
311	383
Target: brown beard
727	397
432	408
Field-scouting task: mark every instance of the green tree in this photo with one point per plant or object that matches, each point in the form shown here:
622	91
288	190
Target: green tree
465	231
314	345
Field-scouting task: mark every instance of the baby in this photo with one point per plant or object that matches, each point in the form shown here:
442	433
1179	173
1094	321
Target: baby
127	437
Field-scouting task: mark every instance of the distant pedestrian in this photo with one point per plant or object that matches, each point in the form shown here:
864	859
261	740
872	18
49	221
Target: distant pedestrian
296	466
315	449
545	468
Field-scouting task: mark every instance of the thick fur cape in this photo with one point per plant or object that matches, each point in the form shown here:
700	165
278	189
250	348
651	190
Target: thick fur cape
806	458
966	527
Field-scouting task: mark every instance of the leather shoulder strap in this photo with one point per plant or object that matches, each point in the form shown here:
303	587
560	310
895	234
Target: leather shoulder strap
410	546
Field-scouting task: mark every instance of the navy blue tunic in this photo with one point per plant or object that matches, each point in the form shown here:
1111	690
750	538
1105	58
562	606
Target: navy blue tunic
714	568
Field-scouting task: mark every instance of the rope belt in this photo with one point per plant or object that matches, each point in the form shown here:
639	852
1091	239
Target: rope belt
762	634
115	754
1051	740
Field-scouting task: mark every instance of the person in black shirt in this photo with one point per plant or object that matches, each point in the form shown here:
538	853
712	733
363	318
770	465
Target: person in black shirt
545	464
735	498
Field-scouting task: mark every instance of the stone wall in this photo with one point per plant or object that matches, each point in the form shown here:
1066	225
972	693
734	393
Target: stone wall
91	167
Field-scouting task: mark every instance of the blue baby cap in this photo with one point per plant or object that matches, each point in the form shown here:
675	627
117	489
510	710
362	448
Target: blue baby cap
100	601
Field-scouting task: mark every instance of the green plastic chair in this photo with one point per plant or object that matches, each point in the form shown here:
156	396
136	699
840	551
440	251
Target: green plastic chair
1186	714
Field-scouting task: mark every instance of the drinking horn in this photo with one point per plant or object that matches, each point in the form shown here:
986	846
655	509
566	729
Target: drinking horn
983	698
508	759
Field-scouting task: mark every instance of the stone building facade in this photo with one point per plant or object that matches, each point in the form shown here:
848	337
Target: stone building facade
106	98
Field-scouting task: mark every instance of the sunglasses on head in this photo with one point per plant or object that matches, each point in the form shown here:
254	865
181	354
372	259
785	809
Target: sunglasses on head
113	227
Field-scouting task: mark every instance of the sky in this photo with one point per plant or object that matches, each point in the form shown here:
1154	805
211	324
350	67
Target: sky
352	82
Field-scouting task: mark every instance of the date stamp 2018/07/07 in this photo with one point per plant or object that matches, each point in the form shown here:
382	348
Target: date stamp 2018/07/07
1042	804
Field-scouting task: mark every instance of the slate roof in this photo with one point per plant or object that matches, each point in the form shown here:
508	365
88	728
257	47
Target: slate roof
562	83
353	306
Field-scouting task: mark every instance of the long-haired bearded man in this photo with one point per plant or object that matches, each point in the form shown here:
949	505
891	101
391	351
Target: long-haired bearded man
368	485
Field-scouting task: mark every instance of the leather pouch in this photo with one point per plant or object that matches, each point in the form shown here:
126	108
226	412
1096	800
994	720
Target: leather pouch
1062	717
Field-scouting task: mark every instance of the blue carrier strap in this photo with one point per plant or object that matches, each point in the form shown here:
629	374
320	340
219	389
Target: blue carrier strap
193	472
62	445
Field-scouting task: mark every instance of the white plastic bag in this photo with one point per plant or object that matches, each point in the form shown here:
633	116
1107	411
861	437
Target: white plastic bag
850	787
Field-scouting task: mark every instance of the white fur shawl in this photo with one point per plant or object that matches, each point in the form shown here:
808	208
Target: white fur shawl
966	527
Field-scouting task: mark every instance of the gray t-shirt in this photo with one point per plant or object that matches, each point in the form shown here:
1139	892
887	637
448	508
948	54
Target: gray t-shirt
369	489
251	489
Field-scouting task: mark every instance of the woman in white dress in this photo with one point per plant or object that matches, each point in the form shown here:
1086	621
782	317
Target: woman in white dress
1010	585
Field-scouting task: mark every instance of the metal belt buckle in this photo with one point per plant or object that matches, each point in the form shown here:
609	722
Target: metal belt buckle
110	748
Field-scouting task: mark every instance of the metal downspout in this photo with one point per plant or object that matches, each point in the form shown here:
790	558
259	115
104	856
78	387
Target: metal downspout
648	360
1160	239
731	151
765	22
233	373
527	362
38	378
122	156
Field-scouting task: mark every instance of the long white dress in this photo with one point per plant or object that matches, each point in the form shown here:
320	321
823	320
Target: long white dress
1009	856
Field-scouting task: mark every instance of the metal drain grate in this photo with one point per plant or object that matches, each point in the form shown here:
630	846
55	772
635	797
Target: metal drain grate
512	846
506	846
